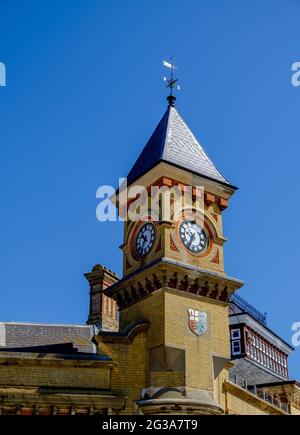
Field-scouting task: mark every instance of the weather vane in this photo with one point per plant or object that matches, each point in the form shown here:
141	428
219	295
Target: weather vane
171	82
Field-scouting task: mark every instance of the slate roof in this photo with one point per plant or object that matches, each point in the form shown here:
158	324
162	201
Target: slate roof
173	142
255	374
31	337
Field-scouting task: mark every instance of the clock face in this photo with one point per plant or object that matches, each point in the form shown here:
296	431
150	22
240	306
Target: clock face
194	238
144	240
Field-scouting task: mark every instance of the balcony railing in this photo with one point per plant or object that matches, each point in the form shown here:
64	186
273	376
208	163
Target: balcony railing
245	306
260	392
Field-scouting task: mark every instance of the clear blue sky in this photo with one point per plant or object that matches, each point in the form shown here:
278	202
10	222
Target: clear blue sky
84	93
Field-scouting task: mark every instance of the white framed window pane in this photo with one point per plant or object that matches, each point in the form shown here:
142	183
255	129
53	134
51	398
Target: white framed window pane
235	334
250	349
236	347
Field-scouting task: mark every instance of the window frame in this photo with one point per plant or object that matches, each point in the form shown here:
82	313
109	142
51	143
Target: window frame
234	331
233	351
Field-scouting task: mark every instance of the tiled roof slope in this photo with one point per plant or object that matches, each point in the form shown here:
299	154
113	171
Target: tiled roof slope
173	142
30	335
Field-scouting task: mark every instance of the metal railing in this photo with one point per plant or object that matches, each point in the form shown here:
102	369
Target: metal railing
244	305
260	392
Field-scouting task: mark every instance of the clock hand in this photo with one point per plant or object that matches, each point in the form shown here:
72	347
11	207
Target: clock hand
144	241
191	239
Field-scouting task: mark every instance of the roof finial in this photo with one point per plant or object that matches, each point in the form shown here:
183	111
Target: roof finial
171	82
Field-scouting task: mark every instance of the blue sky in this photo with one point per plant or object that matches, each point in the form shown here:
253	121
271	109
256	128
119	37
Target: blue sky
85	91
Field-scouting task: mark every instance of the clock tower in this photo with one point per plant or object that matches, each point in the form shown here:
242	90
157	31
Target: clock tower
173	271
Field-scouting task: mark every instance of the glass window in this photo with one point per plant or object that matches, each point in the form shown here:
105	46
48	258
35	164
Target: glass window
235	333
251	350
236	347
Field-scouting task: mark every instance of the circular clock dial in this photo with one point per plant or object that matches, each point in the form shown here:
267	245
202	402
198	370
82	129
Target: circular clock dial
144	240
194	238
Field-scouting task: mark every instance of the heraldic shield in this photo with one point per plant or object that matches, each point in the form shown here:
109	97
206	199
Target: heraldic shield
197	321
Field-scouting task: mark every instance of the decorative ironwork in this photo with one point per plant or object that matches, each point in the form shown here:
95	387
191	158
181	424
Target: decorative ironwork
245	306
171	82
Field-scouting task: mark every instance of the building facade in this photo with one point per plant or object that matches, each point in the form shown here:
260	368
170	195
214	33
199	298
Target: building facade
169	337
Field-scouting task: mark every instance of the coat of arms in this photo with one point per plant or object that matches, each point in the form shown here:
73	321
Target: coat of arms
197	321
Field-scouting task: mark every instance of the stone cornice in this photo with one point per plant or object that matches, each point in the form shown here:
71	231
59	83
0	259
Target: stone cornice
35	359
166	273
37	398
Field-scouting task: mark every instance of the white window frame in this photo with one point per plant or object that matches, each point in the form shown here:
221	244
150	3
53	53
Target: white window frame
236	352
232	333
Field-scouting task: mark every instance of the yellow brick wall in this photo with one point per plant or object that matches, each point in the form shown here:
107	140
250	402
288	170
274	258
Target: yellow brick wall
130	373
218	383
152	309
167	379
54	375
235	405
295	410
199	350
167	312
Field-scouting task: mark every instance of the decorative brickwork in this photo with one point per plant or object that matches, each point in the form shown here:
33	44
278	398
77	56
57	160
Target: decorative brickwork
172	245
103	310
216	258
